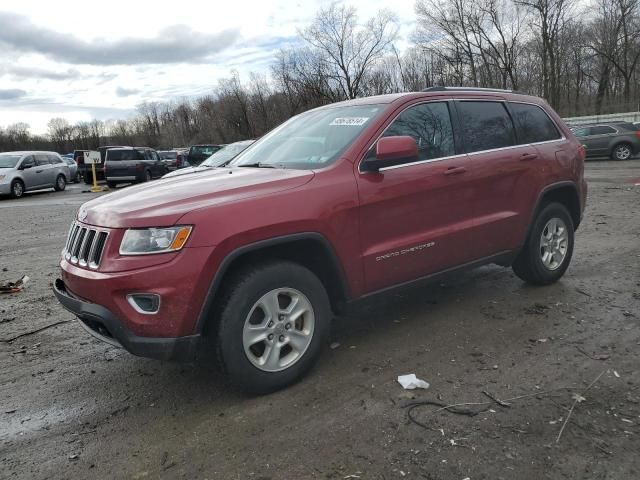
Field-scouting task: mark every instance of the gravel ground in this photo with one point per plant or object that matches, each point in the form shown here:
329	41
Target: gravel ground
73	407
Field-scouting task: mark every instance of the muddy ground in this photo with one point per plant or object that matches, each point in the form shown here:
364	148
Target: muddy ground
73	407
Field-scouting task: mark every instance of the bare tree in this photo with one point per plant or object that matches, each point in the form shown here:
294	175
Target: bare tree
349	50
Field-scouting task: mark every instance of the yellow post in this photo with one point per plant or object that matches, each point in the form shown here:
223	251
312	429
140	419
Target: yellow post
95	187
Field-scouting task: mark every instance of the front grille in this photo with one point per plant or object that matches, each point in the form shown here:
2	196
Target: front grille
85	245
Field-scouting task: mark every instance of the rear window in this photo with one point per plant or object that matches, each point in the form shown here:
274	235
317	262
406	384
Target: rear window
485	125
119	155
602	130
533	124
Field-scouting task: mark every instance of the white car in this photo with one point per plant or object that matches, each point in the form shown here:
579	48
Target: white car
219	158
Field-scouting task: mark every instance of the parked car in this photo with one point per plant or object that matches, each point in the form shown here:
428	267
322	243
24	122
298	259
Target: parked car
33	170
87	170
335	205
222	156
199	153
616	140
74	175
132	165
172	159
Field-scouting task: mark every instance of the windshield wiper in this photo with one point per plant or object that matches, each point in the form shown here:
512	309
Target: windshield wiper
258	165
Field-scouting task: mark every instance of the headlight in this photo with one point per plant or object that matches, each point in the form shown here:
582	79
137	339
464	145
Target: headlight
2	177
154	240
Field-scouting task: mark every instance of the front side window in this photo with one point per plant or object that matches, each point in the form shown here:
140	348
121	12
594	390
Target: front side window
311	140
602	130
485	125
533	124
430	125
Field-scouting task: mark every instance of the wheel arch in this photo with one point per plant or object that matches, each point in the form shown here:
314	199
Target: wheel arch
623	141
565	193
309	249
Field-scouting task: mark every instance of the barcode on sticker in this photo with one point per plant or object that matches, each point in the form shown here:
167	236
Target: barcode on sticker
357	121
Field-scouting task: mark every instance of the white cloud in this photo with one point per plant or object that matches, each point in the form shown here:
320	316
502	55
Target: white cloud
141	50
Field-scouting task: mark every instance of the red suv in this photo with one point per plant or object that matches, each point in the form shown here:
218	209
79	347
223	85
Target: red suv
334	205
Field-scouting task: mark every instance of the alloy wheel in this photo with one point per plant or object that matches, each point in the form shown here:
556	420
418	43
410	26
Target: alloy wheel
278	329
554	243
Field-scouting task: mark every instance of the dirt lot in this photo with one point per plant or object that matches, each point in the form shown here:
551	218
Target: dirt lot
72	407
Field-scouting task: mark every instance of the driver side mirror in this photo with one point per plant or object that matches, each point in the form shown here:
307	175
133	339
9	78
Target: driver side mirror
391	151
26	165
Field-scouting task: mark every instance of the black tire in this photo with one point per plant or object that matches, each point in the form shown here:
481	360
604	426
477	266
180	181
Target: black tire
529	265
17	189
88	178
622	151
78	177
61	183
245	289
147	176
112	185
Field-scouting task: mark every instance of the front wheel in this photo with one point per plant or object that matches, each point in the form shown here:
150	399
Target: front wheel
274	320
547	252
622	152
61	183
17	189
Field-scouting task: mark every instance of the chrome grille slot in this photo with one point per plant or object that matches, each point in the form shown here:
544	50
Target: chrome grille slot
85	246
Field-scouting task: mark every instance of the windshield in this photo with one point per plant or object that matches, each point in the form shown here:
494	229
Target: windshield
226	153
310	140
204	150
9	161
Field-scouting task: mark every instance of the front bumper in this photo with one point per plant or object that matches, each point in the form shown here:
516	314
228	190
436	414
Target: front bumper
104	325
5	188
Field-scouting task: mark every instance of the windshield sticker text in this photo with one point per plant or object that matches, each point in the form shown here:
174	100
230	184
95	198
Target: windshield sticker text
355	121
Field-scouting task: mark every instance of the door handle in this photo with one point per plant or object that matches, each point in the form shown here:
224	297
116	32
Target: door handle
454	170
528	156
38	171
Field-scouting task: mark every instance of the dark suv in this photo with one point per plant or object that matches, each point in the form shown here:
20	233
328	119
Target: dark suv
617	140
132	165
252	259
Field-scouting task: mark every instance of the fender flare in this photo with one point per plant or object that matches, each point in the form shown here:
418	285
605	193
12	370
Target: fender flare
226	262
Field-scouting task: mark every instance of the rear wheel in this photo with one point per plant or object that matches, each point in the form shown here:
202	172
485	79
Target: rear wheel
78	177
547	252
17	189
61	183
112	185
274	320
622	151
147	176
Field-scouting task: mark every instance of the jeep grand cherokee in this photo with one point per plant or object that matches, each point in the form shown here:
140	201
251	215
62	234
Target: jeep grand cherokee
336	204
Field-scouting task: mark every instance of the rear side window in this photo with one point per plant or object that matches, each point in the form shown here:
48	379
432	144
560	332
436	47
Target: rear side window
53	159
485	125
533	124
42	160
602	130
581	132
430	125
118	155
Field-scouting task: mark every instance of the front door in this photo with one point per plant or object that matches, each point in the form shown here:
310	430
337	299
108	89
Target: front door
416	217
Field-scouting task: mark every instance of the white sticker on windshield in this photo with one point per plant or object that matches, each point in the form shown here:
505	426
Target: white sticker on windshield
356	121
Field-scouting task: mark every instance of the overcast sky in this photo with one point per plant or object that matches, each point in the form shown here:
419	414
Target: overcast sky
80	59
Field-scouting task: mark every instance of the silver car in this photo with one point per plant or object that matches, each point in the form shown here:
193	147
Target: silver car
24	171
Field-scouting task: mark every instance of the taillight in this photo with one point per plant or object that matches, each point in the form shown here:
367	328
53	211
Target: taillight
582	153
637	132
140	167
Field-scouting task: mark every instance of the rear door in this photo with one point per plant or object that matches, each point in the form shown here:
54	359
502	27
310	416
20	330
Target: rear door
416	217
45	170
505	172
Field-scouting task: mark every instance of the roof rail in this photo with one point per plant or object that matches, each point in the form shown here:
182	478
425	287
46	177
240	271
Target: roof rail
468	89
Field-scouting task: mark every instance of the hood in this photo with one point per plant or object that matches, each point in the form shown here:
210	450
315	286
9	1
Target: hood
163	202
184	171
7	170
